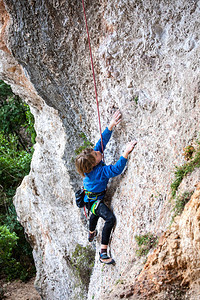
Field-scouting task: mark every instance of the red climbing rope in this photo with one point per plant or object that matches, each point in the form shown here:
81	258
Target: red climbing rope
95	86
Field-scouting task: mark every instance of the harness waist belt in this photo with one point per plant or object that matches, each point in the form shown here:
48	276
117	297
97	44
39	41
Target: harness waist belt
94	196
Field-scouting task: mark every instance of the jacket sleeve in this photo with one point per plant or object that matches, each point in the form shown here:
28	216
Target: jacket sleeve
105	137
114	170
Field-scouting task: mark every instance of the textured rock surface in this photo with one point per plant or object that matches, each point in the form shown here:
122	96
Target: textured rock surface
174	265
146	56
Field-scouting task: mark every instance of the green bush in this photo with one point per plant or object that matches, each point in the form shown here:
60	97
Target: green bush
7	241
10	266
14	163
5	91
17	136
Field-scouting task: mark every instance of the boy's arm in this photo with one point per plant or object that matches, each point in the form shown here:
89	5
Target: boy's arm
116	118
129	148
114	170
105	137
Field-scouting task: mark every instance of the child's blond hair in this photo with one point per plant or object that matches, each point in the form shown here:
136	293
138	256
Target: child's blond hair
85	161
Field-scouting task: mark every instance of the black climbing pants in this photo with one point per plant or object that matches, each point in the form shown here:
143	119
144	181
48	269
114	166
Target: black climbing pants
104	212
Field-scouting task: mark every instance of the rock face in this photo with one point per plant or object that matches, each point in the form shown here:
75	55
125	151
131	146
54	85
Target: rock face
174	265
146	57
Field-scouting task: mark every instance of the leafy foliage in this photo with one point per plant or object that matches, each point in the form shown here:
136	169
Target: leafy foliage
180	203
5	90
14	163
145	243
86	144
184	170
16	119
17	136
7	241
29	125
136	99
12	115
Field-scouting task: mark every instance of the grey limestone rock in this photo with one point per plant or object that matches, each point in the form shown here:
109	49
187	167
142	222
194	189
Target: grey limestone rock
144	49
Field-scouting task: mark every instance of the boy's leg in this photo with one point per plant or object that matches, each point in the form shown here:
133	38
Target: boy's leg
104	212
93	222
92	225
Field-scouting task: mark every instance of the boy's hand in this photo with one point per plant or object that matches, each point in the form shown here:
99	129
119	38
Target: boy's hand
129	147
116	119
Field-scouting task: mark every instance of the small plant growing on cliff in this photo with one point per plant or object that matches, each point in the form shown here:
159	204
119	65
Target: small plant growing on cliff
136	100
183	170
180	203
119	281
188	152
86	144
83	262
145	243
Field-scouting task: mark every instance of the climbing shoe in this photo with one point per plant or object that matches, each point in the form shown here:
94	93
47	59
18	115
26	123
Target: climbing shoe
104	258
91	236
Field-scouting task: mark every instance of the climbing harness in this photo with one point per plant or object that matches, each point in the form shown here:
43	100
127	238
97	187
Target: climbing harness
93	196
79	196
95	201
95	86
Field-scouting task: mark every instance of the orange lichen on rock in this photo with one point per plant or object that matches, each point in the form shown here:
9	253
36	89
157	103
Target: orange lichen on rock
4	20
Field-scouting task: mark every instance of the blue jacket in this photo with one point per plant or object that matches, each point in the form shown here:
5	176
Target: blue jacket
96	181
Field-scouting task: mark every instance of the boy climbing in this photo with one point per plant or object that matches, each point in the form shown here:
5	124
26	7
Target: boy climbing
96	175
